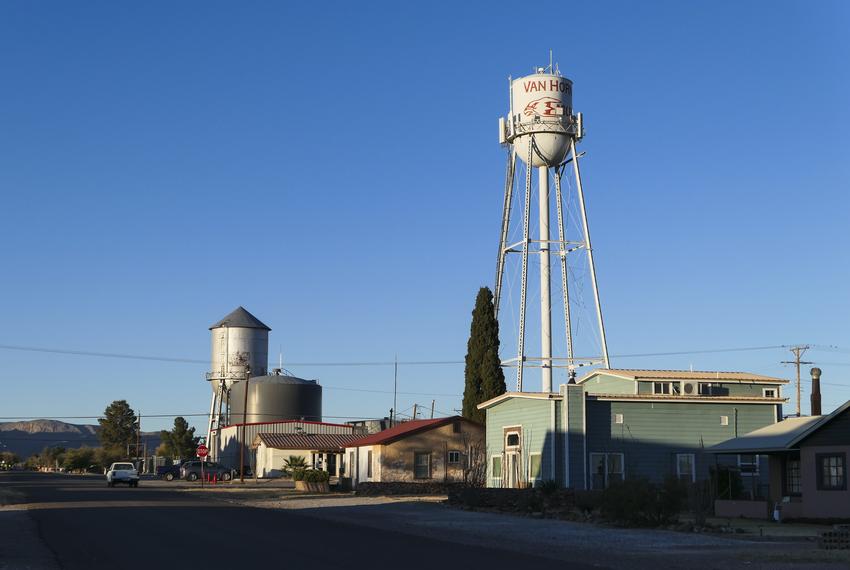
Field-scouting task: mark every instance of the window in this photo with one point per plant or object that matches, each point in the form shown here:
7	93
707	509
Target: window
769	392
369	464
686	467
793	485
709	389
456	427
512	439
748	465
832	471
618	418
454	457
496	467
606	468
422	465
665	388
534	466
724	420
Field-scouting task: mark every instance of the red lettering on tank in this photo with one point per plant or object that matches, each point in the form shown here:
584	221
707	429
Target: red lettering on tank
553	85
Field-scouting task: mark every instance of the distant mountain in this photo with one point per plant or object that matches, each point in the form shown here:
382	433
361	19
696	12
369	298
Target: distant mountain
30	437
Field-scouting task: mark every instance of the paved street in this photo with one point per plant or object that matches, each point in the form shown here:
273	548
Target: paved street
67	522
77	522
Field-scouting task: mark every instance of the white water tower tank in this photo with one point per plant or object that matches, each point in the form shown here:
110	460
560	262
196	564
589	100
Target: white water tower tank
238	338
542	104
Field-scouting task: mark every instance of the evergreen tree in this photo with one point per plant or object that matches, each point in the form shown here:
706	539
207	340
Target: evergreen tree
180	441
483	373
117	426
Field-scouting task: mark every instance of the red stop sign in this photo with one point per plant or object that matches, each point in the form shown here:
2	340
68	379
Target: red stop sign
202	450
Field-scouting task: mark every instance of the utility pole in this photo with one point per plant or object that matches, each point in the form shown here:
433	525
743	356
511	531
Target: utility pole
395	390
432	408
138	434
414	410
244	426
798	352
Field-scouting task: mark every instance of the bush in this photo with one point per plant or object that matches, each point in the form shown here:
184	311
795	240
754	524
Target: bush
638	502
314	476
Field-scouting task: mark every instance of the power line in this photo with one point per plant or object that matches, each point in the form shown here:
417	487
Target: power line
180	360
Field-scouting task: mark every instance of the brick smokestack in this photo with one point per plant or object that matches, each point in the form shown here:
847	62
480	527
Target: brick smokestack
816	410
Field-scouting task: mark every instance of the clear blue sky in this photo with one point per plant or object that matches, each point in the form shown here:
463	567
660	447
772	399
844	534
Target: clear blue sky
335	169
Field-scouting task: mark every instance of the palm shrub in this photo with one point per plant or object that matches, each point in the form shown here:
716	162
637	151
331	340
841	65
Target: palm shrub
294	464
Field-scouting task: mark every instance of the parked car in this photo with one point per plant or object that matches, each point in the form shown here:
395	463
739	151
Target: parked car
168	472
122	473
191	471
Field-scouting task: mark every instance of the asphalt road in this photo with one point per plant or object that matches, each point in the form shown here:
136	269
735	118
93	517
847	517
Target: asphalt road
77	522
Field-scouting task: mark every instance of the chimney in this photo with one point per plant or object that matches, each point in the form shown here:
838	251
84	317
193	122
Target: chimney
815	372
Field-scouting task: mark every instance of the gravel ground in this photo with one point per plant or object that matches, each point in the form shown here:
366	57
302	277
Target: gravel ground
560	540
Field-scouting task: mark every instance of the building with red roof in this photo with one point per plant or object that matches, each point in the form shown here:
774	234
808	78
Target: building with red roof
440	450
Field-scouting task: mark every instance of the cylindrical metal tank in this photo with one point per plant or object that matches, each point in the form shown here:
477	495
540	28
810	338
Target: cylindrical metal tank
238	339
274	398
542	105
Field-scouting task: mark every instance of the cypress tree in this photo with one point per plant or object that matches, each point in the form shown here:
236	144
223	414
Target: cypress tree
483	375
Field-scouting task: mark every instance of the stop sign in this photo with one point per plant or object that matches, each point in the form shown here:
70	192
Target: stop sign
202	450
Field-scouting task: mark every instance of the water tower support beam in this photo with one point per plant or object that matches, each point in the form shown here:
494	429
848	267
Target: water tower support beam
562	254
545	281
524	277
506	220
590	263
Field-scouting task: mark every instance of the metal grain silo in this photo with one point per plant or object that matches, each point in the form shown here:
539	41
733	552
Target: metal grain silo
277	397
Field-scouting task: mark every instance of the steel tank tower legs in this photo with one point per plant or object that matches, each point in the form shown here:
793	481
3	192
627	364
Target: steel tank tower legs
545	281
541	130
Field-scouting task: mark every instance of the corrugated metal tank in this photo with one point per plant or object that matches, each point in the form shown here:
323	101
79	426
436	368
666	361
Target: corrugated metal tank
278	397
239	335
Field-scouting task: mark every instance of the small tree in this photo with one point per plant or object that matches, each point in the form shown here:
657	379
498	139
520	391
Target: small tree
180	441
293	464
117	426
475	466
79	459
483	375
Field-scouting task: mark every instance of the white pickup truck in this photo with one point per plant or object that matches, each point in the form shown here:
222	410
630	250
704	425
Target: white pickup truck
122	473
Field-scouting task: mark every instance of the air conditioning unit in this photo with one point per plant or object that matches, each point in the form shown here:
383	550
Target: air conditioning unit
689	388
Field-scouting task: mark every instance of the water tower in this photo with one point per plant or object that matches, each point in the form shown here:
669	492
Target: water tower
243	390
542	131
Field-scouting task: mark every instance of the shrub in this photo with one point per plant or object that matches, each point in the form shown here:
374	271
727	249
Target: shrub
298	474
638	502
315	476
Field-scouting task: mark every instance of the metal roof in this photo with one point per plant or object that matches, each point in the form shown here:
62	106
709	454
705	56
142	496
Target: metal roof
240	318
780	436
311	441
775	437
403	430
715	376
694	398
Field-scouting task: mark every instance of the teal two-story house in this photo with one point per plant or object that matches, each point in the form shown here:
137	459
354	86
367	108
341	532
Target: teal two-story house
616	423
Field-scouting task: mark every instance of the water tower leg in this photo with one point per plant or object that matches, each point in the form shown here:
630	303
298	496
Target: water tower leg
524	275
545	281
506	220
590	263
562	255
